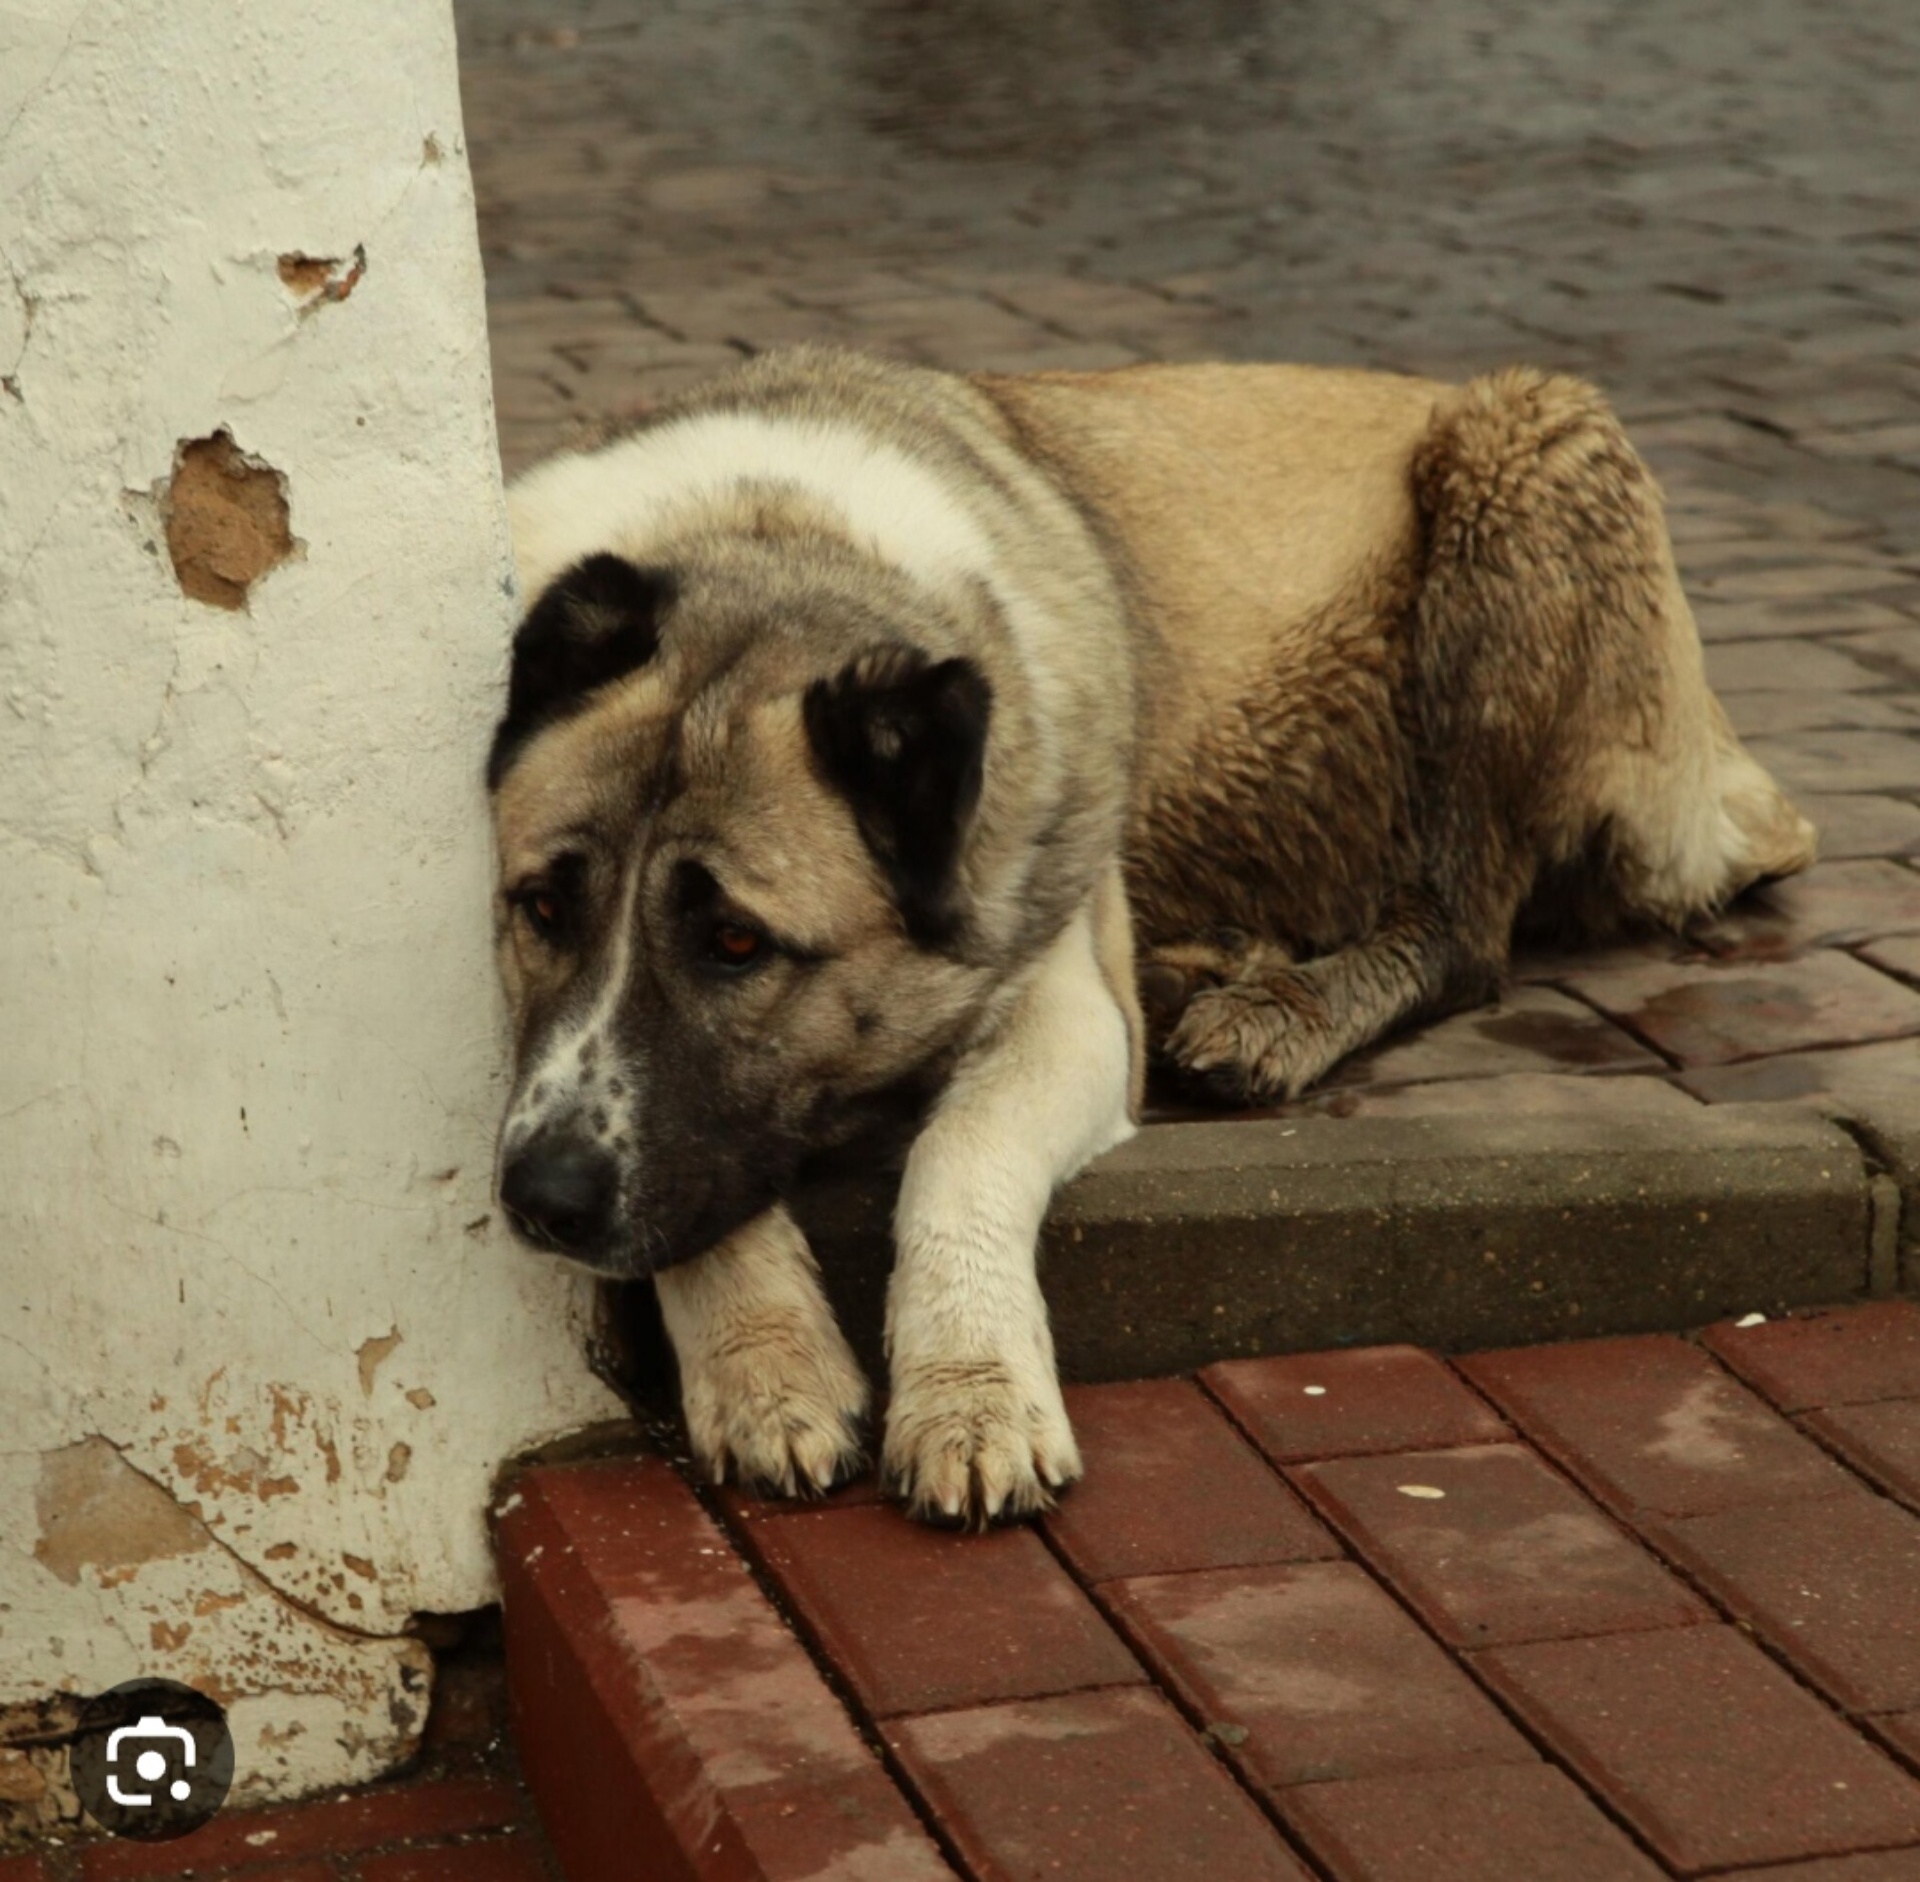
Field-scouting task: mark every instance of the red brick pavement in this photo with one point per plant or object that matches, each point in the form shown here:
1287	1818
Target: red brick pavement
1616	1609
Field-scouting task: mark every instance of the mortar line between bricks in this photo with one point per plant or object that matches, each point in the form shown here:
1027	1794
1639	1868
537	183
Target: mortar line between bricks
868	1729
1460	1658
1856	1722
1673	1059
1268	1808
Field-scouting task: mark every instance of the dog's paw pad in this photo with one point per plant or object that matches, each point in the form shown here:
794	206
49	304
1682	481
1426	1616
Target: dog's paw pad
966	1446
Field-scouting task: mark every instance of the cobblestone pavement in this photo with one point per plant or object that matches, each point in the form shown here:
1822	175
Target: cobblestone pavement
1610	1611
1706	205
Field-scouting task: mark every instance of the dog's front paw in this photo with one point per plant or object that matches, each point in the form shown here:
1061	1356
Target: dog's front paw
779	1407
970	1443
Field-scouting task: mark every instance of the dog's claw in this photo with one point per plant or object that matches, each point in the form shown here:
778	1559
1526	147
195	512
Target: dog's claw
783	1422
966	1447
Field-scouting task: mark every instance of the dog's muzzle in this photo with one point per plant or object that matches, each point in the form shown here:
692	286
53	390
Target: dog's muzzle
562	1194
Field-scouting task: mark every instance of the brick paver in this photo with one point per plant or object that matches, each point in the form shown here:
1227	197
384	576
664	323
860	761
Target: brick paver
1836	1594
1711	1752
661	1704
917	1622
1171	1485
1893	1865
1316	1672
1881	1441
1654	1425
1385	1398
1506	1823
1490	1546
1850	1358
1090	1787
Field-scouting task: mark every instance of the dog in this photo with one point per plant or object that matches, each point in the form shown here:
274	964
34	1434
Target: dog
877	737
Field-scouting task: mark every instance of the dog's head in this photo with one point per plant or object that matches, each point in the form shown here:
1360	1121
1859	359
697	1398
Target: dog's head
732	800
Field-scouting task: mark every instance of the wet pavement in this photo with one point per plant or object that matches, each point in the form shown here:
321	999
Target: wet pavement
1706	207
1617	1610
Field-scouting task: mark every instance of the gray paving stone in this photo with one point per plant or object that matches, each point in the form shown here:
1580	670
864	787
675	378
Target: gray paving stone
1852	825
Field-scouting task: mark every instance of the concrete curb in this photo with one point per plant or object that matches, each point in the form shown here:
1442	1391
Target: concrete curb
1198	1242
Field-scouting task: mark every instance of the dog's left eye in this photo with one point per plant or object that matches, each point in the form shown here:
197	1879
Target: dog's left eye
733	945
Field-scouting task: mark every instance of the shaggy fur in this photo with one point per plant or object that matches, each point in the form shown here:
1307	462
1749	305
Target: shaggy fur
877	737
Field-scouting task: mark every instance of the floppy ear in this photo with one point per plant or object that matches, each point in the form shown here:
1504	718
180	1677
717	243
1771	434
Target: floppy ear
598	621
904	739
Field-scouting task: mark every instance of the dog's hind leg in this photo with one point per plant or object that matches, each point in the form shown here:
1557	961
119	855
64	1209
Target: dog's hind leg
771	1391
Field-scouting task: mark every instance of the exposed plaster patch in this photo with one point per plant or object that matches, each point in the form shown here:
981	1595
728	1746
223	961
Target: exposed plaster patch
373	1354
188	1607
316	280
226	517
97	1511
430	149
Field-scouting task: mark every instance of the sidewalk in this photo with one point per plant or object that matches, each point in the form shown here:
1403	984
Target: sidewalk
1602	1612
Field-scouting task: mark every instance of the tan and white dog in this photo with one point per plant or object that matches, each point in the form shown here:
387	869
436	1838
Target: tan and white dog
875	736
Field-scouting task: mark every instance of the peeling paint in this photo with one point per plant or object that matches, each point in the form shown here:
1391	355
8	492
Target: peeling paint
372	1354
97	1512
315	281
226	516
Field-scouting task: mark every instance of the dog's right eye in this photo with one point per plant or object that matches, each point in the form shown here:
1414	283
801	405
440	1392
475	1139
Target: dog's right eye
545	910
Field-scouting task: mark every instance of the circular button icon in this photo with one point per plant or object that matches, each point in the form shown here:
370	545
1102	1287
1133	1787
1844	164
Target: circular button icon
152	1759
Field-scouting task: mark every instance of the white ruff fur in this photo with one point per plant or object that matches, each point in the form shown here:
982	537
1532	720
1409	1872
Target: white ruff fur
633	493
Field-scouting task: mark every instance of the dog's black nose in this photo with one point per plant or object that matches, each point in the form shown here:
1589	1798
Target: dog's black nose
561	1194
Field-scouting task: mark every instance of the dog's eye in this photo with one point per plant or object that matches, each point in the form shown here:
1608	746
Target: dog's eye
733	945
545	911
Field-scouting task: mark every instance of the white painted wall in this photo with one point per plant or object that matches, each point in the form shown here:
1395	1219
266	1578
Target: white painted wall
249	1040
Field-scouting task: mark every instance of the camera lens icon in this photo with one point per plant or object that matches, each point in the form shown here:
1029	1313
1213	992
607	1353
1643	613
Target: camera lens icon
152	1760
149	1766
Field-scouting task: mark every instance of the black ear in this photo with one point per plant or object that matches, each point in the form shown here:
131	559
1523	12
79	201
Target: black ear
599	620
904	738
